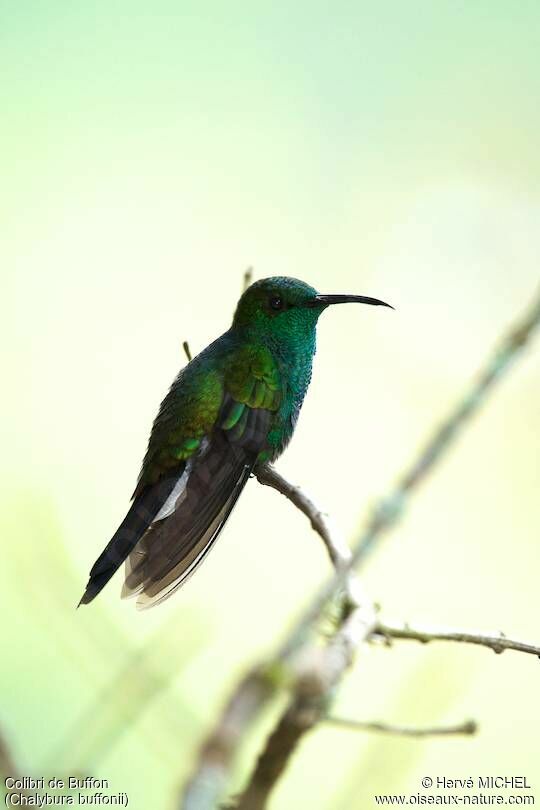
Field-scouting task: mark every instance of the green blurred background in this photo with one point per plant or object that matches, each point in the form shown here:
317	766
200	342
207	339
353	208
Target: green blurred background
149	153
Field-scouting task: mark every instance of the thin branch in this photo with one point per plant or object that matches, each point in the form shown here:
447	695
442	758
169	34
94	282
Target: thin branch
248	278
319	671
324	672
387	514
207	786
344	582
310	676
187	350
338	550
497	642
469	727
294	723
314	672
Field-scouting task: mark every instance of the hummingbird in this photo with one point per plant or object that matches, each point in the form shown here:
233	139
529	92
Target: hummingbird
234	406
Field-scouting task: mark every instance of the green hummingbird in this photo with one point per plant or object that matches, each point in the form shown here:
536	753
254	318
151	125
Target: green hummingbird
232	407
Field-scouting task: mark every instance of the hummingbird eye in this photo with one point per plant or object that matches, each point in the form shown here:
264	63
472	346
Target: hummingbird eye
276	302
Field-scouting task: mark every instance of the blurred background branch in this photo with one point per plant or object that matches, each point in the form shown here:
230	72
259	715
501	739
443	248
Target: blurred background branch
386	515
7	762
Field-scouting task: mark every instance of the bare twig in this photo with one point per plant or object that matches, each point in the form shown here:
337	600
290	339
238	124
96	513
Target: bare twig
324	673
469	727
340	554
497	642
337	549
187	350
248	278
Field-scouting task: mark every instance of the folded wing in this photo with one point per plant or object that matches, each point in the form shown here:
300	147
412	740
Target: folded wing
186	493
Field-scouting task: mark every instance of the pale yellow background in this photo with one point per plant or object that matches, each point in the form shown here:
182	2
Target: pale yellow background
149	153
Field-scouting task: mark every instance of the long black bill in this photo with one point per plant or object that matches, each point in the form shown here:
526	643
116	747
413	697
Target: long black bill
326	300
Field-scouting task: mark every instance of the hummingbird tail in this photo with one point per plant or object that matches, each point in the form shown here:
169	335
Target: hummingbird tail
143	510
179	539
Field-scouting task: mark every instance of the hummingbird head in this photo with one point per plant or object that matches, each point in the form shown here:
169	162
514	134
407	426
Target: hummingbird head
284	306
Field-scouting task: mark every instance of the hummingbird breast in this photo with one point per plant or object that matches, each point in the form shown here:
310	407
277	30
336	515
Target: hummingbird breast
295	371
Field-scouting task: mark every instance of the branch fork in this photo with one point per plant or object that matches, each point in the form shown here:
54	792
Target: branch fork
312	672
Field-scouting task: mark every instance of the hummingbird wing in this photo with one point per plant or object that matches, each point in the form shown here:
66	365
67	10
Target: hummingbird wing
190	483
185	530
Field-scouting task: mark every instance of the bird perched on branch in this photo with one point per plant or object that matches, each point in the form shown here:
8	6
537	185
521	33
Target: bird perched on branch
233	406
